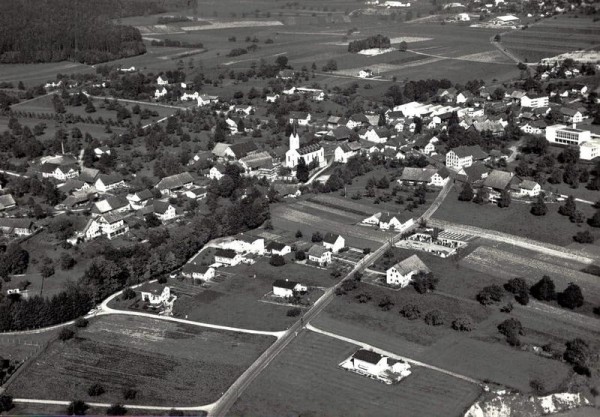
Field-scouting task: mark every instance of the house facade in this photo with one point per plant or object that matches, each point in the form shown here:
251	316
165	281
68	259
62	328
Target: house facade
401	274
334	242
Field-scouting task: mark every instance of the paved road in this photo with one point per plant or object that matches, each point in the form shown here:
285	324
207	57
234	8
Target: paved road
392	355
205	408
224	404
14	174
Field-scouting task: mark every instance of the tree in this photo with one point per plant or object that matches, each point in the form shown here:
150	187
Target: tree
403	46
516	285
539	208
411	312
14	260
490	295
594	221
152	220
584	237
504	200
81	322
302	172
568	209
571	297
6	403
298	234
466	194
277	260
317	237
512	329
300	255
434	318
66	334
77	408
578	352
385	304
481	196
66	261
96	390
47	270
463	324
423	283
544	289
128	294
116	410
129	393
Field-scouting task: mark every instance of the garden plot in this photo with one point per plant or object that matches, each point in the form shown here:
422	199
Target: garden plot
166	363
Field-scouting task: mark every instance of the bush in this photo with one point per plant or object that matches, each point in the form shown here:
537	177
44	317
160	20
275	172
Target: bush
317	237
463	324
522	298
300	255
162	279
129	394
577	352
512	329
507	308
544	289
81	322
77	408
66	334
96	390
516	285
128	294
277	260
6	403
571	297
385	303
293	312
298	234
423	283
411	312
490	295
584	237
434	318
116	410
363	297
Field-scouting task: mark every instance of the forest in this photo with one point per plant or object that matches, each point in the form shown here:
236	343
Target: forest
35	31
377	41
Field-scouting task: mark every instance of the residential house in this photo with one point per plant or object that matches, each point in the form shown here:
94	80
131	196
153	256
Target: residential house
373	364
464	97
88	175
529	188
162	80
365	73
276	248
333	122
272	98
227	257
497	182
377	134
204	100
73	186
164	211
17	226
257	161
111	204
140	199
101	150
287	289
345	151
424	176
244	110
216	172
158	93
570	115
156	298
59	172
534	101
357	120
476	172
174	183
340	133
110	225
319	254
537	127
195	271
401	274
246	244
334	242
196	193
240	150
389	221
300	118
105	183
464	156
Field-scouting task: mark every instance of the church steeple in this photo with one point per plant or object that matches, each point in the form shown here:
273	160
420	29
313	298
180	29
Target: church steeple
294	139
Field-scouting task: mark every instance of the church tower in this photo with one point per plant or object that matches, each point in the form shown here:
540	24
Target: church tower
294	140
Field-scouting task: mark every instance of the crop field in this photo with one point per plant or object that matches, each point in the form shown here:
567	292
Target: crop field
35	74
551	37
236	300
293	216
306	378
516	219
165	363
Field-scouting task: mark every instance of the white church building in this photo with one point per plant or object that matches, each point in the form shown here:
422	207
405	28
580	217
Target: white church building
309	153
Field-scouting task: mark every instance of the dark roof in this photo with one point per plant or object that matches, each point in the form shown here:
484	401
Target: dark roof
109	179
242	149
275	246
298	115
498	180
340	133
20	223
309	149
225	253
161	206
367	356
330	238
317	250
475	151
194	268
417	174
410	264
476	171
284	283
175	181
144	195
88	175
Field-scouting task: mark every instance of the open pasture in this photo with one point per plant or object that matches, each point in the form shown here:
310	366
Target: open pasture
516	219
35	74
236	300
551	37
306	377
165	363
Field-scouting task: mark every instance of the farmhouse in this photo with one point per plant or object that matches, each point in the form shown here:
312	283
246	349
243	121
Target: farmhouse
374	365
101	150
345	151
139	199
105	183
529	188
110	225
111	204
162	81
300	118
334	242
388	221
227	257
570	115
59	172
156	298
195	271
401	274
498	181
169	185
377	134
319	254
276	248
240	150
18	227
204	100
464	156
163	210
286	289
424	176
160	93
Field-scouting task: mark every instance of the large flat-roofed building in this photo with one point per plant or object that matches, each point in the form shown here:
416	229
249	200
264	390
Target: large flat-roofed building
587	142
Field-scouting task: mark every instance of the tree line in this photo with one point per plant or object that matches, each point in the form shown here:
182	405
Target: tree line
376	41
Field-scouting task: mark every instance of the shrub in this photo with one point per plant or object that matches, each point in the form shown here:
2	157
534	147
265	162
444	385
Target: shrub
463	324
363	297
410	311
537	386
293	312
584	237
317	237
571	297
77	408
6	402
512	329
162	279
66	334
129	394
544	289
423	283
300	255
116	410
298	234
434	318
277	260
128	294
516	285
507	308
522	298
96	390
490	295
81	322
385	303
577	352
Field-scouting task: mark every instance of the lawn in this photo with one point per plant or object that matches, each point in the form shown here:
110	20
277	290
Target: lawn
165	363
516	219
306	378
236	300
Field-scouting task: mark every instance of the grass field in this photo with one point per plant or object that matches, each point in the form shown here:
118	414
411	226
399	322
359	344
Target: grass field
236	300
551	37
166	363
516	219
306	377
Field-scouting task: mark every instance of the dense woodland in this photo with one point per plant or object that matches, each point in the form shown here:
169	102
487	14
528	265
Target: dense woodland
49	31
377	41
